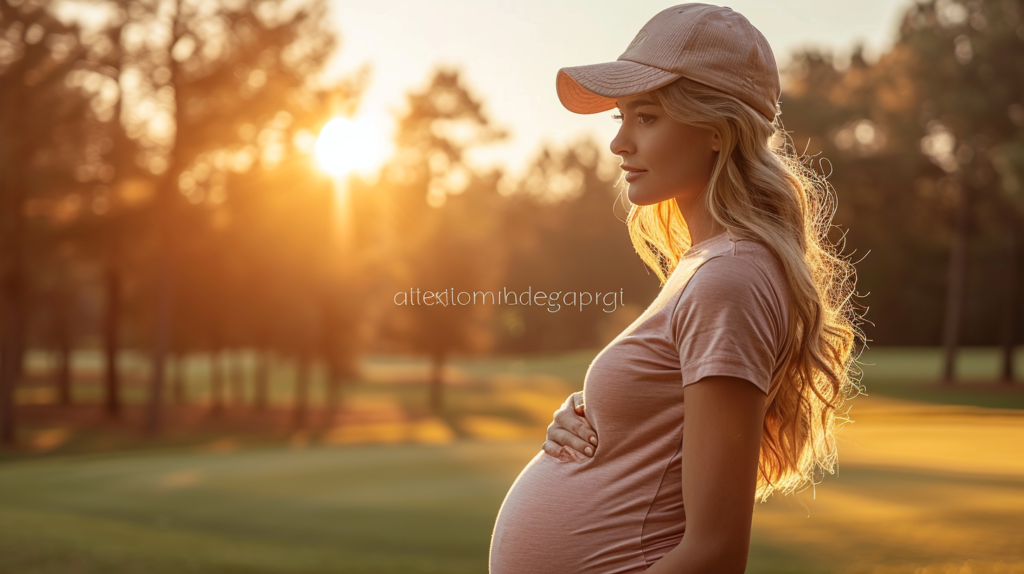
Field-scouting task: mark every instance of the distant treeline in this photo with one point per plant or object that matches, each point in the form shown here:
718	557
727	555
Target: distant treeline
159	193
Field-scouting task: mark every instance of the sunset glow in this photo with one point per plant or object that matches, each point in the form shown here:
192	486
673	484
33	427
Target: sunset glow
346	146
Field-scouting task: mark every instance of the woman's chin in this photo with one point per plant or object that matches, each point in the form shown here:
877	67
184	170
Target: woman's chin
636	197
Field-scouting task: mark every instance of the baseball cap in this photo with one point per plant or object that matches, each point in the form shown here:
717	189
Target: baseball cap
713	45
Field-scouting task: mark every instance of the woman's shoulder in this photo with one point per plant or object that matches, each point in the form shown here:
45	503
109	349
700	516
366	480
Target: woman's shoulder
760	255
740	286
739	267
741	256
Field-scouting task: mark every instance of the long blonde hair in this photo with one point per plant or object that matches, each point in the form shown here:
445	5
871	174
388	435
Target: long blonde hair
761	189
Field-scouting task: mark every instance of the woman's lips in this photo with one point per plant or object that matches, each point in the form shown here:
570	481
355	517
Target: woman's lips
634	175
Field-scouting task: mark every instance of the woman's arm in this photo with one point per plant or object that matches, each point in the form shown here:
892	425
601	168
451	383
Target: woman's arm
721	445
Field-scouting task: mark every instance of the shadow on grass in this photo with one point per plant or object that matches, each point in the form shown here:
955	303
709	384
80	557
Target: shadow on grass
972	393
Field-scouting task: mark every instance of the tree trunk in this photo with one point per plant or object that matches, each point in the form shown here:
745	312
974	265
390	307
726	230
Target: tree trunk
63	379
1011	306
13	282
63	350
111	321
166	202
178	385
162	339
955	281
12	290
217	381
302	394
338	375
436	383
333	397
329	349
260	389
237	374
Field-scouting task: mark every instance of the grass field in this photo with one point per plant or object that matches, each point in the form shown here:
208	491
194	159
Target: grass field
930	480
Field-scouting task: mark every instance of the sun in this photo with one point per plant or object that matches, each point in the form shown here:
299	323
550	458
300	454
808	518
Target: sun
346	146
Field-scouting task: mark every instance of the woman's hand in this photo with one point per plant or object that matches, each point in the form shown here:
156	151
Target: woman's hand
570	437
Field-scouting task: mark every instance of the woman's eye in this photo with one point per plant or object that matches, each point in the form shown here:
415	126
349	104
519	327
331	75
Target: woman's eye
644	118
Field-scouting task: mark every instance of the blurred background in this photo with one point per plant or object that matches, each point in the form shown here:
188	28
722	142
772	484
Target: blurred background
215	215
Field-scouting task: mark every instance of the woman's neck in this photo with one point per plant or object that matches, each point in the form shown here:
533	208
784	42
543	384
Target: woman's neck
699	223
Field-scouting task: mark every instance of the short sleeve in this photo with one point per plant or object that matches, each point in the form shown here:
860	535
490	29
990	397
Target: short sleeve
729	320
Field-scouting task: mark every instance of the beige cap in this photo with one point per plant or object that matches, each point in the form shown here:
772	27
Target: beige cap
713	45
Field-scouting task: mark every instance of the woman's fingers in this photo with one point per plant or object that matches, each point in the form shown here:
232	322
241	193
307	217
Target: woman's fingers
569	404
576	425
584	430
569	436
562	453
566	438
577	401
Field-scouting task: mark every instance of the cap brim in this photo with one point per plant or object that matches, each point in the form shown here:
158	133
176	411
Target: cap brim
594	88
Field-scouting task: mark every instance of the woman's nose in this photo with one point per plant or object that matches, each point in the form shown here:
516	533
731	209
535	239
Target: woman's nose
621	144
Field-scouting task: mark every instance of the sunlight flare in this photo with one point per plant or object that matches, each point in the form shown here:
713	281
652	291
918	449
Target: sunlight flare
346	145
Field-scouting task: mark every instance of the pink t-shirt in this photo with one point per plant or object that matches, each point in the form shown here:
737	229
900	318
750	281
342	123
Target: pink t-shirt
723	311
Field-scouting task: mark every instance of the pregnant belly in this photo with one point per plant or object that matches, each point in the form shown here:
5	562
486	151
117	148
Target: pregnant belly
566	517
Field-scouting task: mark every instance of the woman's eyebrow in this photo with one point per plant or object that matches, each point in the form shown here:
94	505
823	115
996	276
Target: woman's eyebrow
636	103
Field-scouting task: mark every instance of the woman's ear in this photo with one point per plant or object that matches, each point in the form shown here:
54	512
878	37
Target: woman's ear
716	142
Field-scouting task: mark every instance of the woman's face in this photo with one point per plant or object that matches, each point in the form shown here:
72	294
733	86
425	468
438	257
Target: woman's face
670	159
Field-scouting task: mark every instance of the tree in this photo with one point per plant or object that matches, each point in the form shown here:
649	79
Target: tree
41	132
565	228
969	66
224	72
441	213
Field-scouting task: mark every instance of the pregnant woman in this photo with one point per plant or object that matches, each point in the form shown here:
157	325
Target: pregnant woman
728	386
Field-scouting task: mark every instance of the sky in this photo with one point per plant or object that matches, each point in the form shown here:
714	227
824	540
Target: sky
510	52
